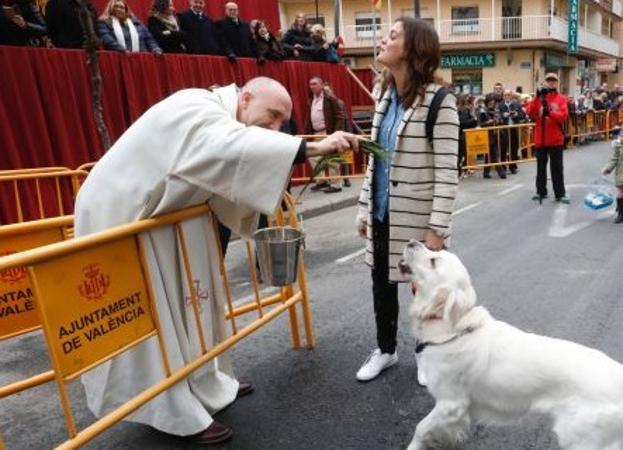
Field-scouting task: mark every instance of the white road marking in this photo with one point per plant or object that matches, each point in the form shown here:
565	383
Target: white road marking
362	251
510	189
466	208
347	258
559	229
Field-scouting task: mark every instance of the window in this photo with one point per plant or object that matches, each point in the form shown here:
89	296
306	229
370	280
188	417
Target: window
605	27
364	25
313	20
465	19
467	81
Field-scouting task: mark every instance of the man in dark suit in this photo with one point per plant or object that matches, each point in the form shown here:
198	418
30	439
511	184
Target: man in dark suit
199	29
64	27
510	113
234	35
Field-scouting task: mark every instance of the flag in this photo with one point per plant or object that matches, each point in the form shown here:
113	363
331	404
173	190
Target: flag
377	4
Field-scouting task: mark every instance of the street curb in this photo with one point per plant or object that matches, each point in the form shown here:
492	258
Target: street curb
328	207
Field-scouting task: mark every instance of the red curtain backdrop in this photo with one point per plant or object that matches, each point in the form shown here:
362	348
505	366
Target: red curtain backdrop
45	101
267	10
359	97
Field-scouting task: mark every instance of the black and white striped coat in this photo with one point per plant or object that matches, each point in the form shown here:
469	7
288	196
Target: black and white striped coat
423	179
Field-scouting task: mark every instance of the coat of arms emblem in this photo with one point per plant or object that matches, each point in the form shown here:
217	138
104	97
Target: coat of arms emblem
95	284
13	274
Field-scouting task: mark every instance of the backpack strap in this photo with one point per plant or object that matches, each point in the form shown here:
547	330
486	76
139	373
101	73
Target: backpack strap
433	111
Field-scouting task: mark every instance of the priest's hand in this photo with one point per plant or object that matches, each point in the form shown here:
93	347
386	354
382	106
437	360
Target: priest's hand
336	142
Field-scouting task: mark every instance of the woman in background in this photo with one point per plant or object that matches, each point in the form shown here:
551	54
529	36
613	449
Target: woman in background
120	30
164	27
267	46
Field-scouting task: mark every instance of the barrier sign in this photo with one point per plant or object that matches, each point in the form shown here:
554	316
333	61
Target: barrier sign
105	309
349	156
17	301
590	119
476	143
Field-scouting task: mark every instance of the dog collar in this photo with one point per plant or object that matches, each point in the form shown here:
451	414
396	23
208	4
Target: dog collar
421	345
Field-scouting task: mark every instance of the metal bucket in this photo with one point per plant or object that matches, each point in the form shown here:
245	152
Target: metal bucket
278	254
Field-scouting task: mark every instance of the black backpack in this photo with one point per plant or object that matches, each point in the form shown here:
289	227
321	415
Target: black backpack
433	111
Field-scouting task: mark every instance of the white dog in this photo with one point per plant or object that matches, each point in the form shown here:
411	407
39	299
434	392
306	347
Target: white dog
481	370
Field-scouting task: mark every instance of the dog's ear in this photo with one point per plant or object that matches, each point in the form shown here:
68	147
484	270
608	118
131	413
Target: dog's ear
435	306
458	302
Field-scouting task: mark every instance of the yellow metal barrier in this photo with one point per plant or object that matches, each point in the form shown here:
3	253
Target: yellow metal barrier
49	187
18	313
479	141
86	166
34	170
110	268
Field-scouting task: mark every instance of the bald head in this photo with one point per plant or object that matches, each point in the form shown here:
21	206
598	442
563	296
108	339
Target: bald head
231	10
264	102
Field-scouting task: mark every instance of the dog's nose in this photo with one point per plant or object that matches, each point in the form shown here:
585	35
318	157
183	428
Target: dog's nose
404	267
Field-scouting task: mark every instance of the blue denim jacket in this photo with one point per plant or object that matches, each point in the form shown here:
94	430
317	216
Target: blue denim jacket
387	138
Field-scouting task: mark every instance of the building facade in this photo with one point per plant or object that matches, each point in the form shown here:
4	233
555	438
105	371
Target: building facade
487	41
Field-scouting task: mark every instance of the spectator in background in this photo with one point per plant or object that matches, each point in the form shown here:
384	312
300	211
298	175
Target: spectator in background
297	37
164	27
325	117
199	29
319	47
234	36
344	168
121	31
64	27
488	117
498	92
21	24
267	46
598	102
548	110
466	121
510	113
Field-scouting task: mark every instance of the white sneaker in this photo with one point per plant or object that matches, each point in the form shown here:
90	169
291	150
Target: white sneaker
375	364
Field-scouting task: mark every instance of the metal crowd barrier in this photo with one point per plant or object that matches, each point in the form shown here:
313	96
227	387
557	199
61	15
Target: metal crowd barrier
18	313
481	153
120	255
51	188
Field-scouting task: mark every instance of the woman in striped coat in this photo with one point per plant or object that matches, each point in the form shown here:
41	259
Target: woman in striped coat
410	195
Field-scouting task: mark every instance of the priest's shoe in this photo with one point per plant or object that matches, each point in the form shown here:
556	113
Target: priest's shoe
214	434
244	389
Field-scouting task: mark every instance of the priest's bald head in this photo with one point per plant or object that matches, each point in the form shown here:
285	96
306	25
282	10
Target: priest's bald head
264	102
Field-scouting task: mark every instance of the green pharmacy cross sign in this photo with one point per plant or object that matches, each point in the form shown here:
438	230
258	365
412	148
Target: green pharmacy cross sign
572	38
455	61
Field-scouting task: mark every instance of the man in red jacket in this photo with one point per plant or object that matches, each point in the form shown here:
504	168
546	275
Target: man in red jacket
548	110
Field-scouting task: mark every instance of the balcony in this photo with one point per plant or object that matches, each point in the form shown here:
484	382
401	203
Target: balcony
494	29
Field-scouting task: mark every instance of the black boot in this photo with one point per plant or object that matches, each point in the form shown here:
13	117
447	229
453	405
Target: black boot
619	217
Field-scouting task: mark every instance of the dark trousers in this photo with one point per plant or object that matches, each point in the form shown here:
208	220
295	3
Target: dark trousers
510	146
494	154
224	236
384	292
556	170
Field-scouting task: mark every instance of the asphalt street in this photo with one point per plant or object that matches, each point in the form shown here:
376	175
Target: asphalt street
551	269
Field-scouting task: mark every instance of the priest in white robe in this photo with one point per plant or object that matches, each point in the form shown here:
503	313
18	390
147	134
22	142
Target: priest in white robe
196	146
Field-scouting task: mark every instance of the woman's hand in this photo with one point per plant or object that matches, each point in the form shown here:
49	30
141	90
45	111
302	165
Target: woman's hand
433	241
361	223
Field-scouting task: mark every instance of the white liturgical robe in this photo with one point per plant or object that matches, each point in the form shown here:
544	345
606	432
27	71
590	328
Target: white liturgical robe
186	150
